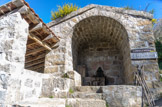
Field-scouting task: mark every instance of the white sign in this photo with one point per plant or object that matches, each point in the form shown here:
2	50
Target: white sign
146	55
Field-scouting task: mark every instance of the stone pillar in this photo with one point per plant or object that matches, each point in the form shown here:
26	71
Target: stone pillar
13	39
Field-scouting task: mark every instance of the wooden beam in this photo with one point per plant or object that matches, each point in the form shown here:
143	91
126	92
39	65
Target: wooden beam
30	59
23	10
38	26
18	3
2	11
35	66
8	7
32	43
27	65
35	51
48	37
40	42
51	37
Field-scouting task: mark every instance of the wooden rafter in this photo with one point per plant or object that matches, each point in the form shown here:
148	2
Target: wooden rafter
40	42
38	26
31	43
34	51
30	59
36	66
34	63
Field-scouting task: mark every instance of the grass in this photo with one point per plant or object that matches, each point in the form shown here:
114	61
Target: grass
65	76
71	91
68	106
107	105
160	78
51	97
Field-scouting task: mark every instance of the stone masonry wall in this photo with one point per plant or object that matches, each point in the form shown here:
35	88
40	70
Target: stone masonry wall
137	24
105	56
13	37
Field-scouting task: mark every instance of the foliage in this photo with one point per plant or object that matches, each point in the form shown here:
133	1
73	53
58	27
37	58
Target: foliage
65	76
51	97
107	105
160	78
67	106
128	8
154	21
152	11
63	11
159	51
71	91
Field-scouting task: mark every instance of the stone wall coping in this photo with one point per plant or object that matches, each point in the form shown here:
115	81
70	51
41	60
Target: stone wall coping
101	7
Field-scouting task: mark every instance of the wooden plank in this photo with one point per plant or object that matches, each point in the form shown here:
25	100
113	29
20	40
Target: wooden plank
35	66
23	10
38	26
34	62
48	37
31	43
32	17
18	3
146	55
30	59
40	42
8	7
35	51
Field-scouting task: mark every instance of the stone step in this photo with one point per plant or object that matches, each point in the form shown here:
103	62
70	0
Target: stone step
85	95
94	89
60	102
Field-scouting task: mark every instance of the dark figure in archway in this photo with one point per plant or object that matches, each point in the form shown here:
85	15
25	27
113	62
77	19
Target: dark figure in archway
100	72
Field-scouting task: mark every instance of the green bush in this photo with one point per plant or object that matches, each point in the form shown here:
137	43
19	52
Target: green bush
63	11
159	51
128	8
107	105
65	76
71	91
67	106
51	97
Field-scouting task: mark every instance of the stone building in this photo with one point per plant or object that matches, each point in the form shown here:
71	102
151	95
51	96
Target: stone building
85	59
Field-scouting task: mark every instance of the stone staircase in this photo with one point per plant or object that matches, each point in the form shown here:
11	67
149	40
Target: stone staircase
83	96
91	96
62	102
87	92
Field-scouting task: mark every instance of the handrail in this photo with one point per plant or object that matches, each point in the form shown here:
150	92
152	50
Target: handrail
139	80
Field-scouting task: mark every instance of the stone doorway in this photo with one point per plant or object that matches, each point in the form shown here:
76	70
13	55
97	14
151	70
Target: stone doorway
100	44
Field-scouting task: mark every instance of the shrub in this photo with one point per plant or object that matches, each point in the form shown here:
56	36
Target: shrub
63	11
128	8
71	91
51	97
154	21
65	76
107	105
67	106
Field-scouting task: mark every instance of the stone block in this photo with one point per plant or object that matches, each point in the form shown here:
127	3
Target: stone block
52	69
122	96
75	76
85	103
2	96
82	70
29	83
52	86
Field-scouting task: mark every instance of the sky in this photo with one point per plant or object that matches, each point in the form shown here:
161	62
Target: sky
44	7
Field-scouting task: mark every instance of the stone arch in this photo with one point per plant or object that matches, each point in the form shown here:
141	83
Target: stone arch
101	41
